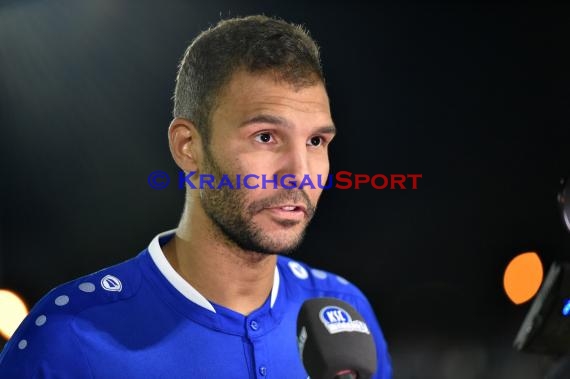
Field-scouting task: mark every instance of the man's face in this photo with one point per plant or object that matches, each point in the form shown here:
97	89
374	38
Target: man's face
264	127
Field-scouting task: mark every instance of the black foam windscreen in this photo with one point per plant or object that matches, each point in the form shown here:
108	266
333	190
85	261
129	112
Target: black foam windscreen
333	338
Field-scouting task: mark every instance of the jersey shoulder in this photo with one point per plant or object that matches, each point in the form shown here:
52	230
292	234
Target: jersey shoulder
109	285
46	341
315	281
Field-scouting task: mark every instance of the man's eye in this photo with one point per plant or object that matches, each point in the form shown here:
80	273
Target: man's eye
263	138
315	141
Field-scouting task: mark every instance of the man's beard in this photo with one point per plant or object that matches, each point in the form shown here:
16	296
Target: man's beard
230	212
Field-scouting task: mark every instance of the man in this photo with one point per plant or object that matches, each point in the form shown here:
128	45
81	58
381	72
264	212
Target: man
215	298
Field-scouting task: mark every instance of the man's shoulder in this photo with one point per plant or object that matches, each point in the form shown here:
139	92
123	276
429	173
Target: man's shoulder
315	281
111	284
106	286
48	333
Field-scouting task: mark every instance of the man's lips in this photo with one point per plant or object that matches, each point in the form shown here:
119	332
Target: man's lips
289	211
285	204
289	207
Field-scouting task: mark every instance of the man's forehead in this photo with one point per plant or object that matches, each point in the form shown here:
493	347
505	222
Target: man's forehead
277	76
260	93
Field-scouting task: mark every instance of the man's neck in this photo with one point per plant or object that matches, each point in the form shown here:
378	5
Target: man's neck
222	272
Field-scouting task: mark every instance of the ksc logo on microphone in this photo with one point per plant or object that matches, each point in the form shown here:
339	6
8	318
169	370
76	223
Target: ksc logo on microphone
337	320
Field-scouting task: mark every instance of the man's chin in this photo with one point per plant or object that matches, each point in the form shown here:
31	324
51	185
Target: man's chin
285	246
271	250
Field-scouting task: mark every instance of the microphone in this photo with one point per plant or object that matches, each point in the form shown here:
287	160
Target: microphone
334	341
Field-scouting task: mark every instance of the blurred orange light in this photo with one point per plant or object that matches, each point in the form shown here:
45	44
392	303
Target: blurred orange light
13	311
523	277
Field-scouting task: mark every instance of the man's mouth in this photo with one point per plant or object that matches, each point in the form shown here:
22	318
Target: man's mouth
288	205
288	211
291	208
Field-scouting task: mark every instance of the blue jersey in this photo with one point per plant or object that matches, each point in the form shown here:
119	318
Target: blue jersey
140	319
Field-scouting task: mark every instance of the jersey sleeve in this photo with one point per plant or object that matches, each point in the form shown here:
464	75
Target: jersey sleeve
45	345
384	370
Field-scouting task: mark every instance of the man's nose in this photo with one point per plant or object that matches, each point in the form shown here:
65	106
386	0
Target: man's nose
295	163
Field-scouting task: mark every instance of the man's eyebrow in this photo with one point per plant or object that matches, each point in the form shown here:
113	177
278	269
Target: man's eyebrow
327	130
265	119
276	120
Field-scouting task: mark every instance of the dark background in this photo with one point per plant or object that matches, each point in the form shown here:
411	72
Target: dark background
473	97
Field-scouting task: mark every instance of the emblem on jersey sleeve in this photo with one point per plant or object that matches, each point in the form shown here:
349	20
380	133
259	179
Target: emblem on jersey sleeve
298	270
111	283
337	320
319	274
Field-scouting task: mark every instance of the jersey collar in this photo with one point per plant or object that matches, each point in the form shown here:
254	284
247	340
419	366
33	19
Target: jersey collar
178	282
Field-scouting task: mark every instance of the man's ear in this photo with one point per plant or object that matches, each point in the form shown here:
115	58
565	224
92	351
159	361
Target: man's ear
185	144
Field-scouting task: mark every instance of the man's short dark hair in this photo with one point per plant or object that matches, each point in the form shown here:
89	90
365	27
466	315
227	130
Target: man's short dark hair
256	44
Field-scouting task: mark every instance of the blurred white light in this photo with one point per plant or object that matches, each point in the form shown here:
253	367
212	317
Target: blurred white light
12	311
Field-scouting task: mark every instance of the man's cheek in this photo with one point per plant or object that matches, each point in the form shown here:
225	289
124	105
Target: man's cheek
314	196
